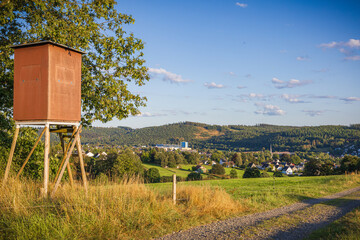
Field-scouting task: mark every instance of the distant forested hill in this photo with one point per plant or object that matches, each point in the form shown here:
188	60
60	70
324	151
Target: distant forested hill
231	137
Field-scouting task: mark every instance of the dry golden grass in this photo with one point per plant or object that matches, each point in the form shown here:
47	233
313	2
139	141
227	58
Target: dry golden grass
204	134
133	210
129	210
208	201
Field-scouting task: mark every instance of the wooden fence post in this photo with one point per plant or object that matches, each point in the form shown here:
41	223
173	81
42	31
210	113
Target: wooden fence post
174	188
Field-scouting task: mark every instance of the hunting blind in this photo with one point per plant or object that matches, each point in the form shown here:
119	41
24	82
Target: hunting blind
47	91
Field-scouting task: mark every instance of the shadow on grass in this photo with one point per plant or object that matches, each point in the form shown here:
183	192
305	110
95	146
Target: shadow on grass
346	227
343	204
304	230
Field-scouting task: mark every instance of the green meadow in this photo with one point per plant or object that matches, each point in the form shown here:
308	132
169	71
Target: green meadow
184	170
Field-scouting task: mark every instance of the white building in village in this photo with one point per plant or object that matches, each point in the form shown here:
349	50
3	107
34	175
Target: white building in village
184	146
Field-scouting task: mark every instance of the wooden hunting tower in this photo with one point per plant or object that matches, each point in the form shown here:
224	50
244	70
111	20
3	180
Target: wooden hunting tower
47	91
47	82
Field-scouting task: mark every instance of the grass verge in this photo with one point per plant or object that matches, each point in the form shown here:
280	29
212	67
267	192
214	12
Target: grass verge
133	210
347	227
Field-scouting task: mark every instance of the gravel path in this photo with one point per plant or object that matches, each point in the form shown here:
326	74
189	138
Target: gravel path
305	217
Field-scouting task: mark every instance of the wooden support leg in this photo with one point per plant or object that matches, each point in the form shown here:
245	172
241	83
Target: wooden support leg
46	160
7	170
64	157
58	180
31	152
68	166
82	165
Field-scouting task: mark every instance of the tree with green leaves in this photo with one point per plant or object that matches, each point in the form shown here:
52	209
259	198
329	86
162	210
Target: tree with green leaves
191	157
113	57
194	176
276	156
285	157
161	159
217	169
313	167
251	173
127	164
350	163
233	173
216	156
171	160
152	175
295	159
236	158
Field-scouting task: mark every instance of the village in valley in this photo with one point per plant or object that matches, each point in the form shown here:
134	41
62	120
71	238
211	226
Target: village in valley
181	159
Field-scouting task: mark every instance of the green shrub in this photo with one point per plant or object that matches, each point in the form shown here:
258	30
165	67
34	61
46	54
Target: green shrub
233	173
166	179
217	169
179	179
194	176
152	175
102	178
251	173
278	174
264	175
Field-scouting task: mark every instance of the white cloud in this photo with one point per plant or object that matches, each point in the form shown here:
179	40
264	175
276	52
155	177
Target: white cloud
276	80
256	95
213	85
302	58
292	98
168	76
232	74
240	87
289	84
353	43
349	48
269	109
323	97
147	114
313	113
353	58
351	99
242	5
329	45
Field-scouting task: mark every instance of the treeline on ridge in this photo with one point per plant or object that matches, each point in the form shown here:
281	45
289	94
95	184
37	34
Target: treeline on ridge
231	137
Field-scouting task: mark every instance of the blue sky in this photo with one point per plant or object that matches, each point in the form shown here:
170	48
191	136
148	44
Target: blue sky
248	62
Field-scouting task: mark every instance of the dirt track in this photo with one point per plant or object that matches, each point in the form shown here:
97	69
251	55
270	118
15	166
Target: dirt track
295	221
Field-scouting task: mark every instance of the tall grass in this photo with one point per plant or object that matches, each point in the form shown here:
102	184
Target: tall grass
133	210
129	210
